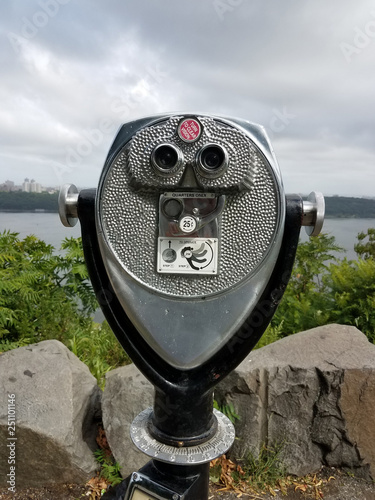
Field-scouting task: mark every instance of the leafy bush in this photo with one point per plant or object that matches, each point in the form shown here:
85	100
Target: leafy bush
366	249
304	303
110	470
324	289
352	294
45	295
98	349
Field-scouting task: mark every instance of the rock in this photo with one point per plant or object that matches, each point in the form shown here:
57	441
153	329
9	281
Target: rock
313	394
127	392
357	405
55	399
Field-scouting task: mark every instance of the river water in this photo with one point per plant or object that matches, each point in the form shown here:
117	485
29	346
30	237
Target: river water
47	226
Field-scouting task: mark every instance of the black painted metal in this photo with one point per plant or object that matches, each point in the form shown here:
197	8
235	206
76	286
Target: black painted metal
182	420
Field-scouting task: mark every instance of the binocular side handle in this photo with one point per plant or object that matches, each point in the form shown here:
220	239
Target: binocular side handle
313	213
68	205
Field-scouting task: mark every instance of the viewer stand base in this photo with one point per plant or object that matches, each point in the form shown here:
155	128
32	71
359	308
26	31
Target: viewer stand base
163	481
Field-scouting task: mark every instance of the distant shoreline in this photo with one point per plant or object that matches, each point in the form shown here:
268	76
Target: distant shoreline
35	211
349	217
42	211
339	207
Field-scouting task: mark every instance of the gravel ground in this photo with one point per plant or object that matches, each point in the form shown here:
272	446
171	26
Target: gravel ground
342	487
62	492
347	489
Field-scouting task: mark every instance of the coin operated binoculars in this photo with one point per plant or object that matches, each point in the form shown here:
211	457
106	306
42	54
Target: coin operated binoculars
189	241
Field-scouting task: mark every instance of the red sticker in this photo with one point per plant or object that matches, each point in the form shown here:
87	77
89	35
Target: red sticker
189	130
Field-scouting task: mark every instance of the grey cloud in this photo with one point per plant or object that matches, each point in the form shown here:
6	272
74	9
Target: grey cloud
278	64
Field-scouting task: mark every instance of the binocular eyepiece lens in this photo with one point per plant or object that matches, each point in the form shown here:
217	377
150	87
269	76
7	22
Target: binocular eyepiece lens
212	160
212	157
166	157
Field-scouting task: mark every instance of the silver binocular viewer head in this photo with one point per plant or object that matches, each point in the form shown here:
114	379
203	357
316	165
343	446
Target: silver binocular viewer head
190	218
175	209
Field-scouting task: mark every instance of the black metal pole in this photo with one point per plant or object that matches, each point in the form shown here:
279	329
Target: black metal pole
183	419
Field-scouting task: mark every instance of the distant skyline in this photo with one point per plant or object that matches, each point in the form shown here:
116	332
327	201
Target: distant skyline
19	185
26	179
73	72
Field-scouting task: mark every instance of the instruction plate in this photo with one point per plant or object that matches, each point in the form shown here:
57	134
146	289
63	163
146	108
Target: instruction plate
140	495
187	255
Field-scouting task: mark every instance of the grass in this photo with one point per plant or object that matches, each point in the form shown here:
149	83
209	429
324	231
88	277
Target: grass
255	473
263	469
228	410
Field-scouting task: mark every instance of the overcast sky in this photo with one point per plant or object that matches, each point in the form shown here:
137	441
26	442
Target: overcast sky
73	71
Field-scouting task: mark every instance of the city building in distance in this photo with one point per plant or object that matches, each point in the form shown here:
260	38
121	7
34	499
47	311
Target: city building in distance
28	186
31	186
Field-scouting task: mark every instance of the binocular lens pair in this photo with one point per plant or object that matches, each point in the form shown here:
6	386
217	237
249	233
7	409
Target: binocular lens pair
211	160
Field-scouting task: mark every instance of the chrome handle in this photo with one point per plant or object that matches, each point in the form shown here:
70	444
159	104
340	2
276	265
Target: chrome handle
313	213
68	202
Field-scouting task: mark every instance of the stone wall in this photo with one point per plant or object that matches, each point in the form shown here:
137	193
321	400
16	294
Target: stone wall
313	393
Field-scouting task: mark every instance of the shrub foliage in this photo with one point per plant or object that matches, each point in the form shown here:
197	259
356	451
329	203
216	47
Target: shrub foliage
326	289
44	295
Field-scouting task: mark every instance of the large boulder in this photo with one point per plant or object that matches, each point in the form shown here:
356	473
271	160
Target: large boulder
53	397
127	392
312	394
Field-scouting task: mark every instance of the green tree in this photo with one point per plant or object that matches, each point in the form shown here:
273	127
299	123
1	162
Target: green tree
21	201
